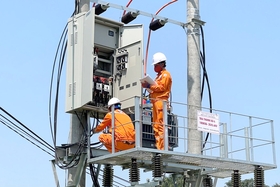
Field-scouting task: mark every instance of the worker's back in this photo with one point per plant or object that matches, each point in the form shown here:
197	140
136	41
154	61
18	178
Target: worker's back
124	128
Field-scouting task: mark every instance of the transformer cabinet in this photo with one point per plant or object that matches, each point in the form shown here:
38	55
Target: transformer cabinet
148	138
104	59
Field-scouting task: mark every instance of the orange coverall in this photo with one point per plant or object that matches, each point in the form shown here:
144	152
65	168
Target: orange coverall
124	131
160	92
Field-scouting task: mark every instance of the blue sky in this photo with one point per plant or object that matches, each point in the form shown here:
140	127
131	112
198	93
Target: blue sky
241	58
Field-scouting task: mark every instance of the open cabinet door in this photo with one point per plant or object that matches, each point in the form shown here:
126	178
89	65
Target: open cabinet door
128	65
79	60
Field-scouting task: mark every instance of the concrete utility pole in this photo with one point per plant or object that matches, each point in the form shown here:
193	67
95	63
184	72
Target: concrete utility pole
76	129
194	77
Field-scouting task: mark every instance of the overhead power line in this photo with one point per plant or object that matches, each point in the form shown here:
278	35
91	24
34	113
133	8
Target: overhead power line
18	127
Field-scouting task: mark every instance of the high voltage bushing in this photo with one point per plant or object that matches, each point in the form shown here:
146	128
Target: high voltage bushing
157	165
108	176
155	25
99	9
130	16
259	176
134	171
236	179
207	182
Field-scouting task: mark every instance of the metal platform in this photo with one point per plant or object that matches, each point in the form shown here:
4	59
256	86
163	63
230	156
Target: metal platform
176	162
239	145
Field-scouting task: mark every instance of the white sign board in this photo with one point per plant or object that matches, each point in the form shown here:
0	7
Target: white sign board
208	122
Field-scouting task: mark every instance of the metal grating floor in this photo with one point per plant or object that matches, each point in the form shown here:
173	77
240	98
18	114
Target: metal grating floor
175	162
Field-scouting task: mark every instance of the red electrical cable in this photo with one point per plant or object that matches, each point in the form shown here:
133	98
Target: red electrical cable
149	35
127	6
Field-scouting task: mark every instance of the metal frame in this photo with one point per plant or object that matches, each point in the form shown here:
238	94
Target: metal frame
175	162
167	20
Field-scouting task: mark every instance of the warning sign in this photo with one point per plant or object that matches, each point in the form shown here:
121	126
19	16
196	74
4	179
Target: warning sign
208	122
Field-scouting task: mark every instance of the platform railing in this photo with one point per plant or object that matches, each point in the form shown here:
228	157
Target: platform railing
241	137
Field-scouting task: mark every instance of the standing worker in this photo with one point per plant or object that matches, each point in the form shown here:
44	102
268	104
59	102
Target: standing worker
159	92
124	128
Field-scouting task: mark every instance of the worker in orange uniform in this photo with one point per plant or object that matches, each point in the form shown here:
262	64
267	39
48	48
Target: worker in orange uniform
159	92
124	128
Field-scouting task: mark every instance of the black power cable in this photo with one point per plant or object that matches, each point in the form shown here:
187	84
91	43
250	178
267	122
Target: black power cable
62	46
23	136
53	132
205	77
33	135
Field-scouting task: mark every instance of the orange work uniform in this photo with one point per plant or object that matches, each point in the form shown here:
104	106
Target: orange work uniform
160	92
124	131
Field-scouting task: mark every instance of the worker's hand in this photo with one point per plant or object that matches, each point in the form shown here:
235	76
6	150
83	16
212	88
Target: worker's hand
145	85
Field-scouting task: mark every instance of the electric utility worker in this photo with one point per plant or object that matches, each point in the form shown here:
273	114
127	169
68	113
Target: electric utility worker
159	92
124	128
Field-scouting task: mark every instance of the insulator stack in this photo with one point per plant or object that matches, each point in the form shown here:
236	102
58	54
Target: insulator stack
207	182
259	177
157	166
236	179
134	171
108	176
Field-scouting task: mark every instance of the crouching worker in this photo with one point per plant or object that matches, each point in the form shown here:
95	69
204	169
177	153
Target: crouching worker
124	128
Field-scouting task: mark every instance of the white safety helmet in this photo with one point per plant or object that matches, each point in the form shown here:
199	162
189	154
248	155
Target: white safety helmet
113	101
158	57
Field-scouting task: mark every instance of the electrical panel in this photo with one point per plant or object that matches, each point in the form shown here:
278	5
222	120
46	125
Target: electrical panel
127	68
128	65
104	60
